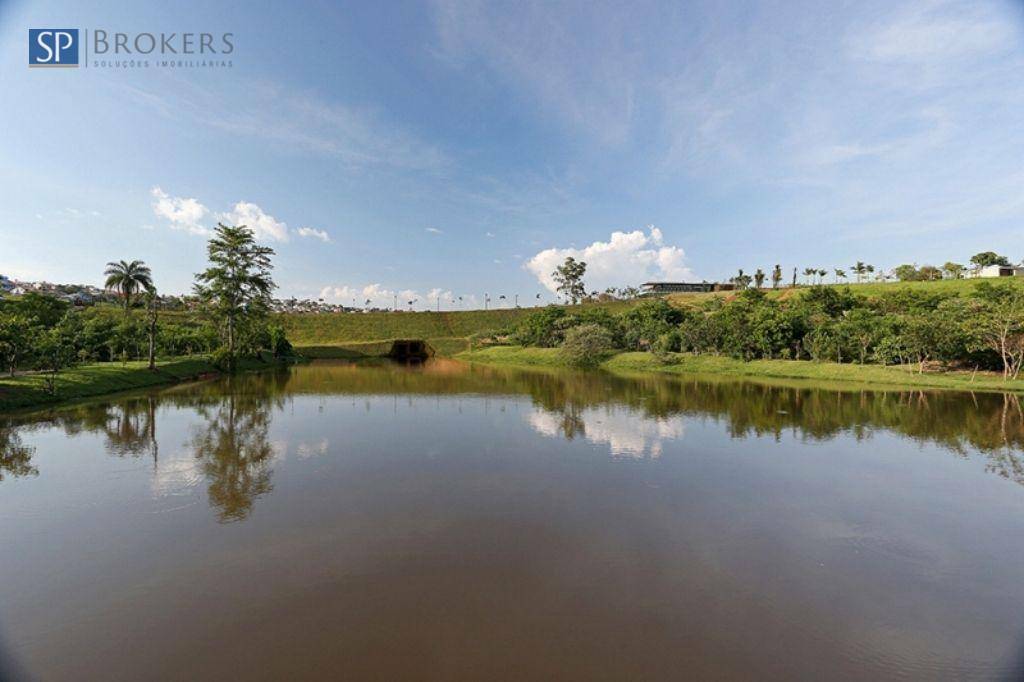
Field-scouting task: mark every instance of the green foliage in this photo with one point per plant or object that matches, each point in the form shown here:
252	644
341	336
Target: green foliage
569	276
643	324
587	345
986	258
16	334
128	278
236	287
40	310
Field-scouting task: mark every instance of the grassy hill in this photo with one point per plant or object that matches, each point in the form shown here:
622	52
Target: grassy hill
353	334
961	287
357	334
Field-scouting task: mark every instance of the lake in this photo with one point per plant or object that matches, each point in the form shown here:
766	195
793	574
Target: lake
462	522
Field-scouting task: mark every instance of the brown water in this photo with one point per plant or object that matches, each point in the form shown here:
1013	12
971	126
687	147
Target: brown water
452	522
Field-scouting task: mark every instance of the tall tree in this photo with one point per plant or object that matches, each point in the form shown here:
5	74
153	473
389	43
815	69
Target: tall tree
759	278
776	276
236	287
859	269
809	273
986	258
128	279
840	273
569	276
151	314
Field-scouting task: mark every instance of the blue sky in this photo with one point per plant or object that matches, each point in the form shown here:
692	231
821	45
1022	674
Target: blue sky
461	148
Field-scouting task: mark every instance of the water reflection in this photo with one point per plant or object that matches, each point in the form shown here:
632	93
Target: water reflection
571	525
230	448
15	456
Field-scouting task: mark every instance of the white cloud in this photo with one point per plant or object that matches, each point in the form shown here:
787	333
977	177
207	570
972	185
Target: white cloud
313	232
627	258
489	234
181	213
382	297
264	225
434	230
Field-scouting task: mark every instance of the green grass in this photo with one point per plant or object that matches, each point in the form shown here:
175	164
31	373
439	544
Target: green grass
342	334
961	287
87	381
827	372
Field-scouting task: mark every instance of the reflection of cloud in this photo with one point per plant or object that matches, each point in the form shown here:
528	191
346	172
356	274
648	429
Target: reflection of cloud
309	450
176	475
626	433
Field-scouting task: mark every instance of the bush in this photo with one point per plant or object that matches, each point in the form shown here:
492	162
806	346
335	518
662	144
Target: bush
587	345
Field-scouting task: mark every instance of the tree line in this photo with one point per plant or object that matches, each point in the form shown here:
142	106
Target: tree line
46	334
981	331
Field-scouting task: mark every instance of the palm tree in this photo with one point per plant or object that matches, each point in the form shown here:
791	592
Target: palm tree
821	275
128	279
840	273
859	269
759	278
809	272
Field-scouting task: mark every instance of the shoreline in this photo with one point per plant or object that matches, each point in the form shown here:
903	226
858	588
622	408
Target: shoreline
26	392
871	377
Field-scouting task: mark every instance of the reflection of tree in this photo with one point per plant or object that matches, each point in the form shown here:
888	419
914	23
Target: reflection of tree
235	452
15	456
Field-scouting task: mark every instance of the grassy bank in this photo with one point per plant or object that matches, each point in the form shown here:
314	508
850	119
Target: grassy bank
88	381
865	375
349	335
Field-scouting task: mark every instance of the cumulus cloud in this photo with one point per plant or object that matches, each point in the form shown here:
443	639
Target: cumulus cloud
264	225
627	258
314	233
182	213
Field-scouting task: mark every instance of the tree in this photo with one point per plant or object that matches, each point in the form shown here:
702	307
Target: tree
821	275
953	270
741	280
236	287
151	314
15	340
986	258
128	279
776	276
861	268
587	345
929	273
906	273
759	278
840	273
809	273
569	276
999	326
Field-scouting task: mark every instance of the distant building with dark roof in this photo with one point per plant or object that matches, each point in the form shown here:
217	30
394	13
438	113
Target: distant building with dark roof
659	288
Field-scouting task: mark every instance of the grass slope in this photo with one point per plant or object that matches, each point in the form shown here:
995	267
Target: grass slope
867	375
357	334
960	287
350	335
87	381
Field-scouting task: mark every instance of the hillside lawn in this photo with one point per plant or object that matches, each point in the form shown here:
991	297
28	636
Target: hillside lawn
873	376
354	335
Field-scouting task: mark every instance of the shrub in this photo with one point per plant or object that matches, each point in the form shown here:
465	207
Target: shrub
587	345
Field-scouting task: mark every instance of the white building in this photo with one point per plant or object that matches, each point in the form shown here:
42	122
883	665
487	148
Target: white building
997	271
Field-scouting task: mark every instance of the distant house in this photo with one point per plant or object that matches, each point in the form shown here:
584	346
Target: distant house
998	271
659	288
